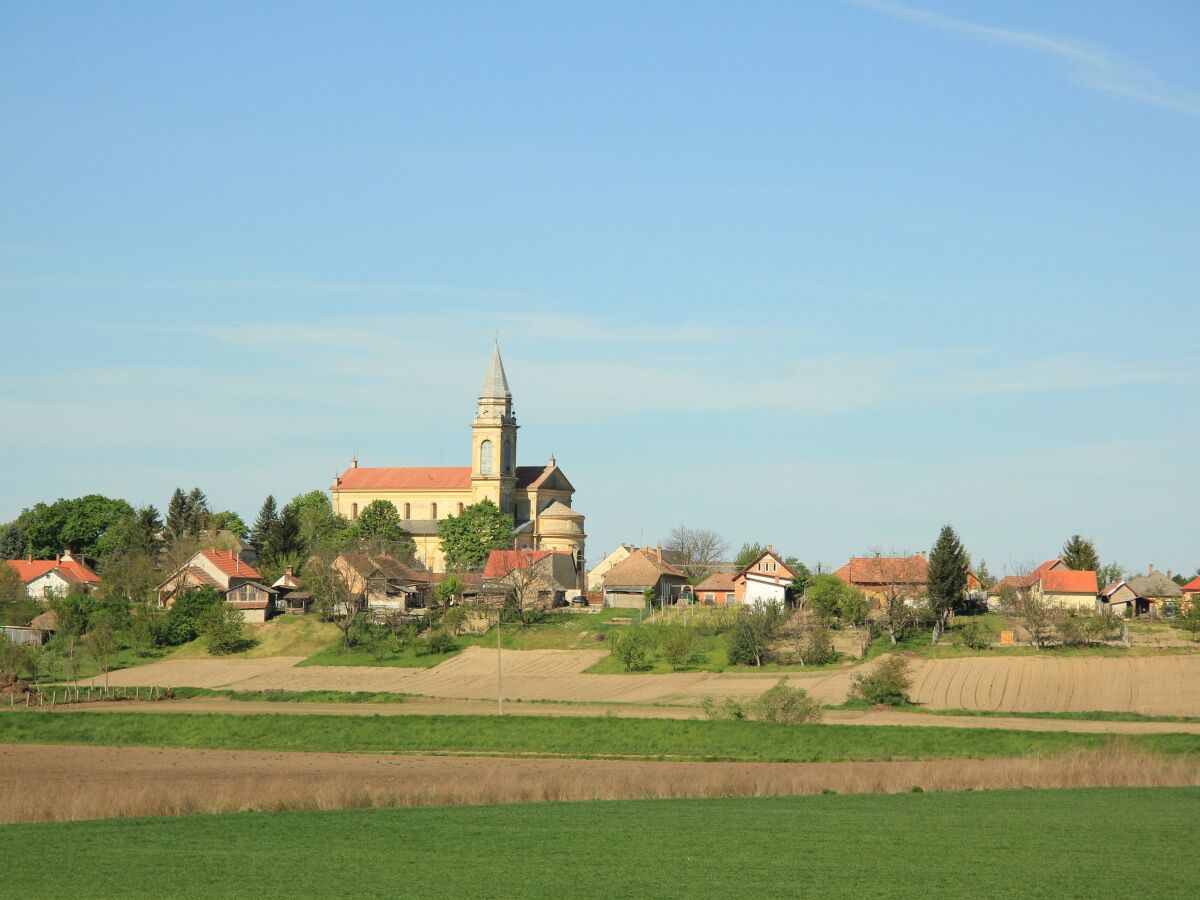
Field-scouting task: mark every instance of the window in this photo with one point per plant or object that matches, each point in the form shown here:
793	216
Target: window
729	596
408	510
486	459
708	595
353	510
433	510
460	509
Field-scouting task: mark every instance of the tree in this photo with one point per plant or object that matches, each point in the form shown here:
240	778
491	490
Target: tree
748	554
678	646
804	577
696	550
468	538
1079	553
782	703
16	606
223	629
176	524
283	537
380	525
336	596
101	643
228	520
526	597
1110	573
131	575
379	640
319	525
82	525
986	578
197	511
632	647
753	631
268	517
139	534
12	542
188	614
1190	622
948	569
887	684
448	590
1036	615
824	597
853	607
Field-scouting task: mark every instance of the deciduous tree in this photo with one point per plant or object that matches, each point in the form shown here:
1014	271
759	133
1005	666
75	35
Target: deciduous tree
695	550
468	538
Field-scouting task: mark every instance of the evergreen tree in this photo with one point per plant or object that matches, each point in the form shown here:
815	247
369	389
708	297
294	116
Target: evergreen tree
283	537
12	542
1080	554
469	537
268	516
197	512
948	568
177	516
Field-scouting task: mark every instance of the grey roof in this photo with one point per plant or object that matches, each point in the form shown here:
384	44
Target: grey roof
420	527
560	510
495	385
1156	584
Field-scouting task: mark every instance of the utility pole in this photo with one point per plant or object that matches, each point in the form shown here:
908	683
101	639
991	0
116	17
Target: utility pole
499	665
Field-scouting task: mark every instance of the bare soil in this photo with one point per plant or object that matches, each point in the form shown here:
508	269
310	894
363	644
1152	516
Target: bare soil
1166	685
53	783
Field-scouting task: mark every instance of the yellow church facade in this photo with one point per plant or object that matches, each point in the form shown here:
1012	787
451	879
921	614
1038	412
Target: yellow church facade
536	498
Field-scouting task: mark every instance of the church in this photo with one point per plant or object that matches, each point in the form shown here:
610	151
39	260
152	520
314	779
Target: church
536	498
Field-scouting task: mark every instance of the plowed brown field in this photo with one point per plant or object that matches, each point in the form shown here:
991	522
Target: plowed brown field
1166	685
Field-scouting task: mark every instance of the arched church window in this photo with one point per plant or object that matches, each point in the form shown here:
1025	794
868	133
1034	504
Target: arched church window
486	458
408	510
433	510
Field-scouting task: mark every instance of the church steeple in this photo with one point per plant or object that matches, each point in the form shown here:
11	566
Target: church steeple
494	439
495	384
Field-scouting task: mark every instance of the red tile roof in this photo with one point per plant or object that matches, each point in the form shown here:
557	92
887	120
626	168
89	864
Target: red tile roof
231	564
1069	581
430	478
717	581
501	562
71	570
885	570
1193	585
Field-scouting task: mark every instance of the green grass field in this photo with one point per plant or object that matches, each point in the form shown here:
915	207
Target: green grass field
1060	843
560	736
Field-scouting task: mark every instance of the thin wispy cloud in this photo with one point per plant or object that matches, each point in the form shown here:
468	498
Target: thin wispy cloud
1086	64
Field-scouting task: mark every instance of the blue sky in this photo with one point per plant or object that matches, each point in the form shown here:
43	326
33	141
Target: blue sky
825	274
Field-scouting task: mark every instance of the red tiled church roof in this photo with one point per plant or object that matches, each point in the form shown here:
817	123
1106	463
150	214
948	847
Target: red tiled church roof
427	478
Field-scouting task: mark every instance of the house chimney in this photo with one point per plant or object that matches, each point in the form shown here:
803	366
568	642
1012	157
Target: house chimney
57	558
1150	569
1169	573
658	552
552	462
289	571
770	548
354	462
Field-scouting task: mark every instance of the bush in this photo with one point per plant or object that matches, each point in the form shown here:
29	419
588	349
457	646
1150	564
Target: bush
631	647
817	646
825	596
785	704
888	683
440	641
185	618
853	607
222	630
973	634
725	711
678	646
755	628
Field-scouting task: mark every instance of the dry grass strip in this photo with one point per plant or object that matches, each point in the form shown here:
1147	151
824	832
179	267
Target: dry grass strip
52	783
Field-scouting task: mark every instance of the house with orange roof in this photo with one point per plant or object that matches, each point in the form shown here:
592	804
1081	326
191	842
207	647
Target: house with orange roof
880	576
627	584
552	572
46	578
1055	584
717	589
1190	594
766	579
536	499
239	582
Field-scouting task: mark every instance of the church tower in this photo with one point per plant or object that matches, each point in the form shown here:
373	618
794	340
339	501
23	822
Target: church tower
494	441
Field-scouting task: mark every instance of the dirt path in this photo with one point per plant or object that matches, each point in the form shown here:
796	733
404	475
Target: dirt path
42	783
1166	685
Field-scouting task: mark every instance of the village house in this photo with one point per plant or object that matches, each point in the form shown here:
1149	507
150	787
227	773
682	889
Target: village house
718	588
1067	588
1190	594
291	597
622	552
879	576
1143	595
384	583
626	583
45	578
544	578
225	570
766	579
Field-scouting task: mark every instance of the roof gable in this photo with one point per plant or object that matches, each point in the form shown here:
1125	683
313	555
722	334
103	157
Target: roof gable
768	556
641	569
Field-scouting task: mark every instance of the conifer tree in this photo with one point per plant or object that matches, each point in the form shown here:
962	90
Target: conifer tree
197	511
947	574
177	516
268	517
1080	554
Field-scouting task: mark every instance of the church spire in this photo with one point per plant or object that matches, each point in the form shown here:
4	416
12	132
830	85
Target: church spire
495	385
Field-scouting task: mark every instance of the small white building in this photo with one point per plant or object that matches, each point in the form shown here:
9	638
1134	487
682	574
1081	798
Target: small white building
766	580
45	578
